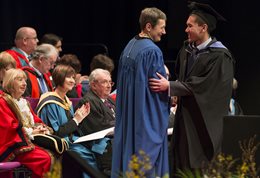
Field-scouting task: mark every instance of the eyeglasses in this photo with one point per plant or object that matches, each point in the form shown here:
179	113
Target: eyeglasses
49	61
32	38
105	82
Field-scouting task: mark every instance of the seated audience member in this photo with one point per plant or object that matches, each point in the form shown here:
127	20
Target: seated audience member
173	101
98	61
173	108
234	106
54	40
73	61
42	60
25	43
55	109
18	125
6	62
103	62
102	112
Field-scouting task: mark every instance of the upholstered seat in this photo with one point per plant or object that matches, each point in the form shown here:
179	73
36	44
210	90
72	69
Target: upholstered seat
14	169
7	166
34	101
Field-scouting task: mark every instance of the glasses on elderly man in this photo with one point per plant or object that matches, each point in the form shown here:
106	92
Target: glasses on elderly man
49	60
105	82
32	38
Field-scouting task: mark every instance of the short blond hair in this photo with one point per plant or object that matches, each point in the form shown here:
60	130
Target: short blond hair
6	59
10	75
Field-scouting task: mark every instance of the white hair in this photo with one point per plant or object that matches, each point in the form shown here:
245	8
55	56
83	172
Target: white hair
95	73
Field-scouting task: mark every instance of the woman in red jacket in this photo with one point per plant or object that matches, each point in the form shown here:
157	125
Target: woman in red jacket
18	124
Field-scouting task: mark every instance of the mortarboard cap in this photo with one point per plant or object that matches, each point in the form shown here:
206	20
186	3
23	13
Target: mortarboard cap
206	13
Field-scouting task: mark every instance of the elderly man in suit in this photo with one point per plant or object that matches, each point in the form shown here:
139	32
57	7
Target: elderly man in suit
102	112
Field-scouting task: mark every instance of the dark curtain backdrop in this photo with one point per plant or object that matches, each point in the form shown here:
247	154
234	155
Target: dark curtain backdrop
86	24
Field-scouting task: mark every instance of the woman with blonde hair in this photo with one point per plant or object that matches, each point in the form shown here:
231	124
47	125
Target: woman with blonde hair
18	124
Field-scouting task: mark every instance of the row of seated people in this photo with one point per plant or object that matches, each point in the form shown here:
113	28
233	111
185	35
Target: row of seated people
42	60
37	61
57	114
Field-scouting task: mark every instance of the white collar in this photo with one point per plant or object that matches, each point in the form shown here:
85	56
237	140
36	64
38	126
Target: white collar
36	70
204	44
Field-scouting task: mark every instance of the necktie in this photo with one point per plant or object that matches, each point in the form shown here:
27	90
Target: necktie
42	84
110	106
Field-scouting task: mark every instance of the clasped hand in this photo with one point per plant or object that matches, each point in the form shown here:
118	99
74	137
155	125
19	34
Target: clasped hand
40	129
158	85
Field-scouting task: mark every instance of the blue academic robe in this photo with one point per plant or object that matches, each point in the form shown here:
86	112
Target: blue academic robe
141	115
54	115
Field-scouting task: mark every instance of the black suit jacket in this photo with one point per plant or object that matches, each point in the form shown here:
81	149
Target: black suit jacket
100	116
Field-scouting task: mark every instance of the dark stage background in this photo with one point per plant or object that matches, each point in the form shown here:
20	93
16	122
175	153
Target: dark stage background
89	27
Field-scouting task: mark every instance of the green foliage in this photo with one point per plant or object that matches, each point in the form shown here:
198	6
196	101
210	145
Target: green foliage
189	174
223	166
55	171
138	165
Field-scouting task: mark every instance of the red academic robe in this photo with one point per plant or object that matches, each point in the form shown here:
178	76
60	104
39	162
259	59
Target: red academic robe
15	143
20	59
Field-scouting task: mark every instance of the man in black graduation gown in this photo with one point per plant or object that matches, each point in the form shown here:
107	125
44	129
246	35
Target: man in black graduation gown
205	71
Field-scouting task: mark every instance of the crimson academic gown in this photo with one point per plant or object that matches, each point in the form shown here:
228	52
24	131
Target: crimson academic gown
15	143
20	58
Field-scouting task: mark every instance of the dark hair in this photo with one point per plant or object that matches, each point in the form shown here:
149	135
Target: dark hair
50	38
200	22
103	62
60	72
72	60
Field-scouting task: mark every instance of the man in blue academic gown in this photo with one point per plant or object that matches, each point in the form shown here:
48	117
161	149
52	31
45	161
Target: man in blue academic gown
141	115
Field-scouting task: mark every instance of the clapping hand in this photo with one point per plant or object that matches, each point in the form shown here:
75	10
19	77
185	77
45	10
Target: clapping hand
82	112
